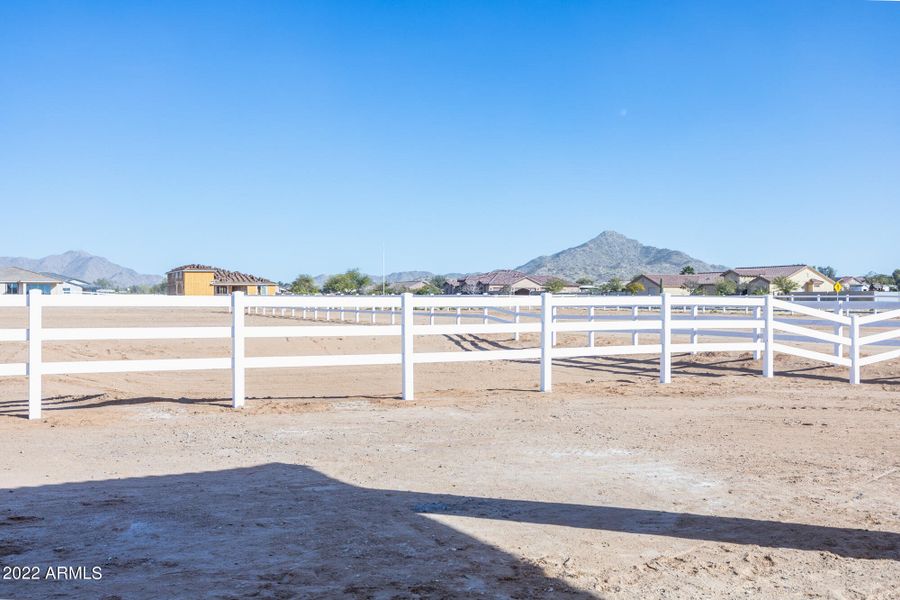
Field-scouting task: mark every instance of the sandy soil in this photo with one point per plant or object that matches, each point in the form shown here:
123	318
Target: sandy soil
719	485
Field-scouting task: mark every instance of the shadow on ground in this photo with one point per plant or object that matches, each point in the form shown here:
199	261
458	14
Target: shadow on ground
286	531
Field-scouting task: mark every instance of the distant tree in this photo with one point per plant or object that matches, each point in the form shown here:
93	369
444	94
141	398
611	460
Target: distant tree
106	284
828	272
760	291
430	289
879	279
896	276
613	286
555	285
584	281
785	285
349	282
634	288
691	287
688	270
725	287
304	285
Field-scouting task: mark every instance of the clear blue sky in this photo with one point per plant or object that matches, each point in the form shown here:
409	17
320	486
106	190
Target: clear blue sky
288	137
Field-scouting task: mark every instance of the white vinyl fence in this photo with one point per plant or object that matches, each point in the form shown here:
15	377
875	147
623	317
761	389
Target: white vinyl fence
765	325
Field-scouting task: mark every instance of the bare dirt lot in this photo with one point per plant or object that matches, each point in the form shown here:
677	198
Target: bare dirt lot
720	485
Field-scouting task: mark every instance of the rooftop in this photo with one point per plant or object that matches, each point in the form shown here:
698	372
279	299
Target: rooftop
224	276
17	275
667	280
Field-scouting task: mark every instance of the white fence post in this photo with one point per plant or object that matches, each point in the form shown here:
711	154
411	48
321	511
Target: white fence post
484	320
546	341
431	316
665	340
694	336
757	332
373	315
553	314
591	334
458	315
635	337
518	318
237	350
769	346
406	343
854	349
839	331
35	356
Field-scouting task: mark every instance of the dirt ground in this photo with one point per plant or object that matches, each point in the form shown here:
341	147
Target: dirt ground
722	484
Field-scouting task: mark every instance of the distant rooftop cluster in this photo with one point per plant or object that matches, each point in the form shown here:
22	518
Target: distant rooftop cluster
742	279
504	281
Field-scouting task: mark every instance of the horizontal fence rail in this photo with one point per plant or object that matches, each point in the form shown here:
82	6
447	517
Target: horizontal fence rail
766	324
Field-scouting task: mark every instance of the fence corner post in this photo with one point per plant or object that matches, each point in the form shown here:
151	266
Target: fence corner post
546	341
237	350
35	356
407	317
769	345
665	339
854	349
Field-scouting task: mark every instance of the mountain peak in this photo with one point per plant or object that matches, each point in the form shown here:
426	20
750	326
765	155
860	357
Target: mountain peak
612	254
82	265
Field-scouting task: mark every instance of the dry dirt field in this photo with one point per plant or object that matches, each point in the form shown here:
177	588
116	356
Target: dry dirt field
720	485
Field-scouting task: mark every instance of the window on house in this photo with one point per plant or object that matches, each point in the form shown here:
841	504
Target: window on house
12	288
263	290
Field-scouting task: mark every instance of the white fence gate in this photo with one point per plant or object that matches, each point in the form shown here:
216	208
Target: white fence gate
765	325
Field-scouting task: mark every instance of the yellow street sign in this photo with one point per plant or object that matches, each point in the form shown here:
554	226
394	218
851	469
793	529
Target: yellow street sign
838	287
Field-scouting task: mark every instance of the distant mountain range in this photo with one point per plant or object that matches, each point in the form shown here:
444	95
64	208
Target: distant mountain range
82	265
608	255
611	254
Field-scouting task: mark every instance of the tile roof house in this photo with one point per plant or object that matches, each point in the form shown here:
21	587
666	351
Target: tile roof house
747	280
760	279
679	285
413	285
14	280
204	280
853	284
503	281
